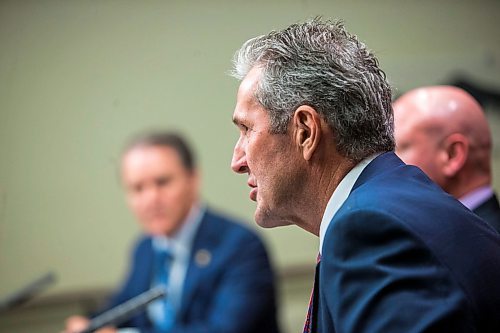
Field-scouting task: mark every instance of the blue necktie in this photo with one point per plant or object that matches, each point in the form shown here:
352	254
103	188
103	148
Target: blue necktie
163	320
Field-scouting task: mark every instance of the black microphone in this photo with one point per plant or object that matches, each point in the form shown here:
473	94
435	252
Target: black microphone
124	311
28	292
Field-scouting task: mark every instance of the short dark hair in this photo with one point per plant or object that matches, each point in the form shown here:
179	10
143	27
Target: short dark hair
164	139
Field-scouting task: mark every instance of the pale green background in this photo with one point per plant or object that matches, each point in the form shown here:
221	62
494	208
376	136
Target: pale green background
77	78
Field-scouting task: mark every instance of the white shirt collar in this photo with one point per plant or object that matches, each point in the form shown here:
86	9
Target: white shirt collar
340	195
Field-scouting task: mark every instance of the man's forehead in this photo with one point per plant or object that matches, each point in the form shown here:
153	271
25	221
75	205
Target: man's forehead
246	99
249	83
244	115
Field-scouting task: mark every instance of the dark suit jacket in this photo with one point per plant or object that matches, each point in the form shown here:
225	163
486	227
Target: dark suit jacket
490	212
233	293
403	256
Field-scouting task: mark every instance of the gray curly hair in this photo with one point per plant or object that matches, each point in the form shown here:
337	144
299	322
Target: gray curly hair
321	65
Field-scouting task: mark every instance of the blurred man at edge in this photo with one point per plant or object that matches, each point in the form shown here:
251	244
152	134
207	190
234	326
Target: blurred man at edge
443	130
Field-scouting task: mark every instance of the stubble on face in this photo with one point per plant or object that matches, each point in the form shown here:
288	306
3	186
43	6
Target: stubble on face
280	184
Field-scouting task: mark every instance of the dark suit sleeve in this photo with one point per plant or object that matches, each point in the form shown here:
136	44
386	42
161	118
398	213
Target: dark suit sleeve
244	298
127	288
135	281
377	276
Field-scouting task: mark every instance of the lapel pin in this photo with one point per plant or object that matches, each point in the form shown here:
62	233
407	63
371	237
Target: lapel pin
202	257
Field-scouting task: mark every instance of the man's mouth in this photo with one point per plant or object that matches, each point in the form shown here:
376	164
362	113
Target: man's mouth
253	194
253	191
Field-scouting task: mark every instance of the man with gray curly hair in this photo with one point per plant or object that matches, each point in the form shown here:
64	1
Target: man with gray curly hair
316	140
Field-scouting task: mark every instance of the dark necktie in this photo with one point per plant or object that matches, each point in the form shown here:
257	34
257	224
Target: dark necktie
310	325
164	319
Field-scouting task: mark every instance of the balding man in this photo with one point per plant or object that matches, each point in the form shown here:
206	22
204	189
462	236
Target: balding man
443	130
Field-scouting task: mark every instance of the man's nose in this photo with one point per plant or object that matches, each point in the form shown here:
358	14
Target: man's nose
239	161
151	195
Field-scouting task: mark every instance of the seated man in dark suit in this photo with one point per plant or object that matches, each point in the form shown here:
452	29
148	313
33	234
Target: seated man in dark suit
443	131
216	271
316	144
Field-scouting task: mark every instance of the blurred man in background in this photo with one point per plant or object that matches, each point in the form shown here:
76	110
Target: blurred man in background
216	271
443	131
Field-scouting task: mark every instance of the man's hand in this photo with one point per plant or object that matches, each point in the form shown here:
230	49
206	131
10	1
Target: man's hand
75	324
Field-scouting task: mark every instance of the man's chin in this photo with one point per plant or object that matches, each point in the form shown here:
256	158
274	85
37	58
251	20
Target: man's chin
158	228
266	219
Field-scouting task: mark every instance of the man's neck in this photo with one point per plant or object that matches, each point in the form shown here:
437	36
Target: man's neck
323	184
464	184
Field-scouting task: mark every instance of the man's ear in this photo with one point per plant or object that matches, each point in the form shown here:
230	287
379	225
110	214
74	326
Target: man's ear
306	130
456	150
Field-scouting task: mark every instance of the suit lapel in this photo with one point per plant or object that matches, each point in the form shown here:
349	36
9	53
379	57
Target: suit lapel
145	267
200	259
142	279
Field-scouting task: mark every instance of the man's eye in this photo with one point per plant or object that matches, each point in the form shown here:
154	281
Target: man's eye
136	189
243	128
163	181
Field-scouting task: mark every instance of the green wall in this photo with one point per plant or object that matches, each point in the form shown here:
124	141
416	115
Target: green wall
77	78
